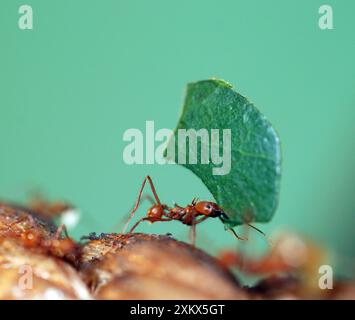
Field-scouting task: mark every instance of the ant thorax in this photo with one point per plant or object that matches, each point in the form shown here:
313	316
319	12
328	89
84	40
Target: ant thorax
176	213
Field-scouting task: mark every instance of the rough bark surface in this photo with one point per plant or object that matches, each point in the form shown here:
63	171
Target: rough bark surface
123	266
140	266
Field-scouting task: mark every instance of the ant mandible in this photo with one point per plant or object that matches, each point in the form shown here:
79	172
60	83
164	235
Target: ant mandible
191	215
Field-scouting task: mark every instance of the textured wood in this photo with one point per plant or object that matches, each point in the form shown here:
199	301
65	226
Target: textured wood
125	266
140	266
29	249
51	277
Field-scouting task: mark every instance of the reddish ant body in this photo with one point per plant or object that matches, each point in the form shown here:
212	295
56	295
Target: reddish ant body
291	255
191	215
35	232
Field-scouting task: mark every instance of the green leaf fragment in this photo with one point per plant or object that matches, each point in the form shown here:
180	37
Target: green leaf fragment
250	191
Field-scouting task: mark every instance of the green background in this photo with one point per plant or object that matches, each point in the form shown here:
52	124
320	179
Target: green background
92	69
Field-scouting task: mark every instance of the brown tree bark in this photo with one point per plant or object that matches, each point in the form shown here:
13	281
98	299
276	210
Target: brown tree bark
140	266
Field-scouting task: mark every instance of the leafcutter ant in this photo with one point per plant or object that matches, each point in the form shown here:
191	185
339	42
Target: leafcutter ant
33	231
191	215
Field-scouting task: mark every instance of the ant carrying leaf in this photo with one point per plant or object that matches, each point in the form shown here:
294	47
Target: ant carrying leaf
191	215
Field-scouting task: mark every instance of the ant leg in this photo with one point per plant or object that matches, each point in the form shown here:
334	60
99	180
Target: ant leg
23	218
60	230
257	229
268	240
150	219
139	198
231	230
248	217
123	220
193	229
193	235
135	225
201	220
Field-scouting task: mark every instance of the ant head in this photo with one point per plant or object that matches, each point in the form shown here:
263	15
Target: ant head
209	209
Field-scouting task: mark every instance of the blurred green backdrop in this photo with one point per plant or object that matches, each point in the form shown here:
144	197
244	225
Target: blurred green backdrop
89	70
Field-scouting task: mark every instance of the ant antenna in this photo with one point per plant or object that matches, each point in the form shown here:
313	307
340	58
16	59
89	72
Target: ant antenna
257	229
268	240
